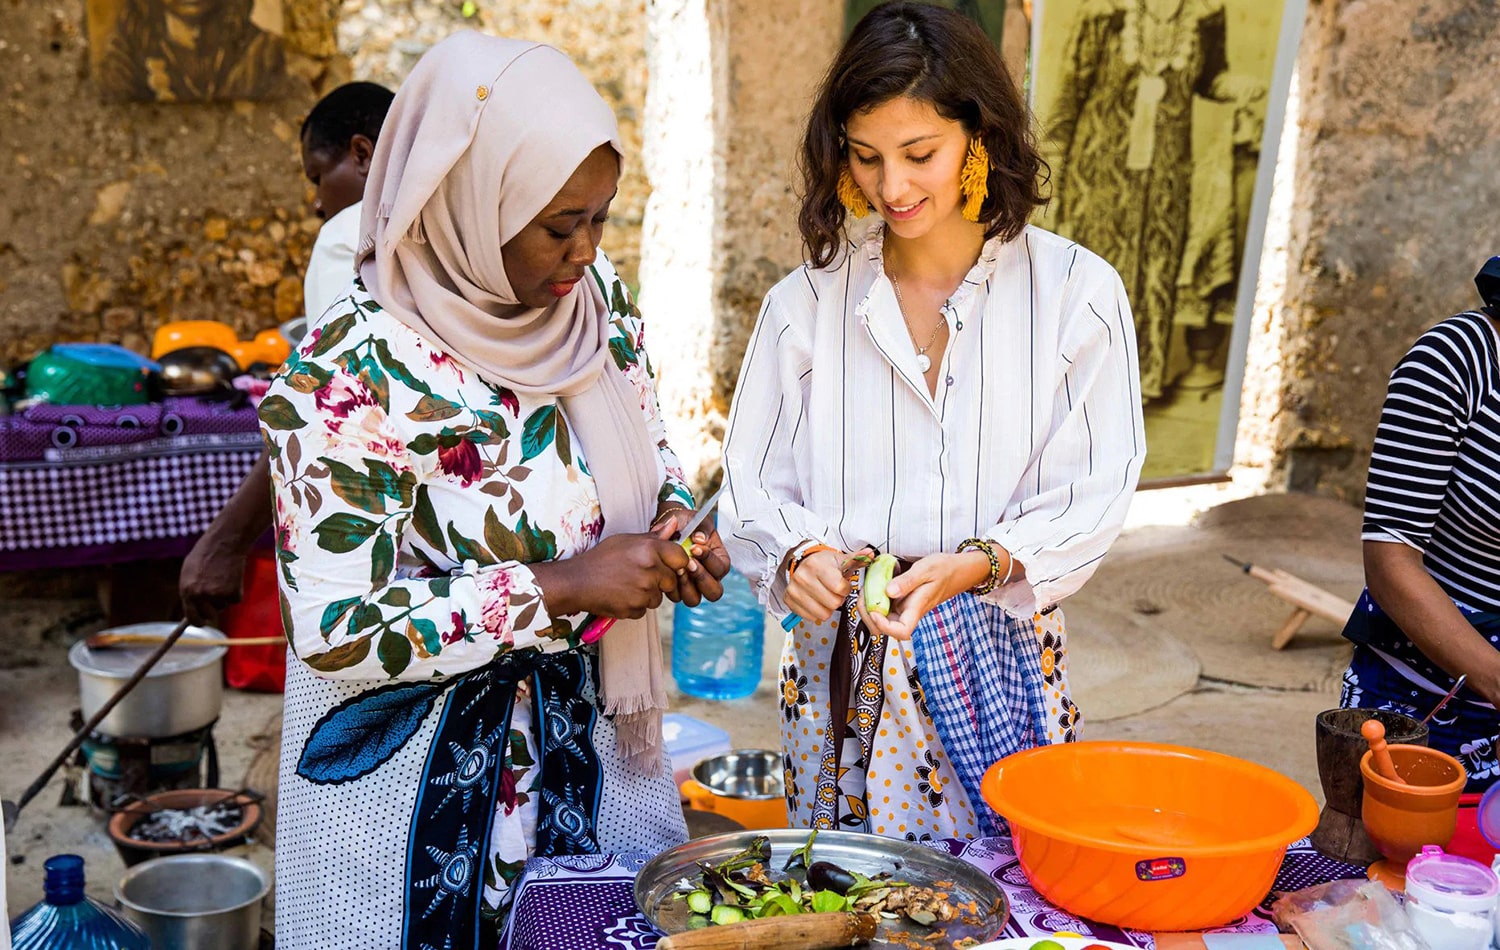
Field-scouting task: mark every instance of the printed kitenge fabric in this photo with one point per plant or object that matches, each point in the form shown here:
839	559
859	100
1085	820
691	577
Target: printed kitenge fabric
441	727
1389	672
895	774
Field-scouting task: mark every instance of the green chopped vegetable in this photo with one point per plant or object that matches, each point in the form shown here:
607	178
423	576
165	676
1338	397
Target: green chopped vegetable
700	902
877	576
725	914
828	902
802	857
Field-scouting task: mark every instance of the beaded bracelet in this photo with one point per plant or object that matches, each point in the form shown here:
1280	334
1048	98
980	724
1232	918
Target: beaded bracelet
995	579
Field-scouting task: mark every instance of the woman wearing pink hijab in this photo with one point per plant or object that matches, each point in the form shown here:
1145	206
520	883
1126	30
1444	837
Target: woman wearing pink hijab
471	481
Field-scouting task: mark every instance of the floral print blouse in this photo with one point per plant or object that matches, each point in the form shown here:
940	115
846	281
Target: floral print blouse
411	495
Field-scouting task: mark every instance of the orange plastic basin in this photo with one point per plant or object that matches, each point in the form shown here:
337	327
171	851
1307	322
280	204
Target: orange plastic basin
1148	836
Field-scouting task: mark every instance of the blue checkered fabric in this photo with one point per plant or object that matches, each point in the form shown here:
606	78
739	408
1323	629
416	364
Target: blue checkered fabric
981	676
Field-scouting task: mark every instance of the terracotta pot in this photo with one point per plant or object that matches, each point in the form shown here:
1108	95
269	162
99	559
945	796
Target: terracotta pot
1400	819
133	851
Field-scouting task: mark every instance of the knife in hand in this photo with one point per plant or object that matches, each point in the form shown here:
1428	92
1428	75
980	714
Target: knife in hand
700	516
600	625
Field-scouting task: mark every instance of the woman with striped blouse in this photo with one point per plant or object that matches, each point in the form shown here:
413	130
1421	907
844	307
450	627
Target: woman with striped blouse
957	389
1431	608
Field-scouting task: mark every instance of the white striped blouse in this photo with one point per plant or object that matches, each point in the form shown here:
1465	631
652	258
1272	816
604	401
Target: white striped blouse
1034	438
1435	470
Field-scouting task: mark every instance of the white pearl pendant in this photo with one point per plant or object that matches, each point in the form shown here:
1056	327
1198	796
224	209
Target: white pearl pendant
923	363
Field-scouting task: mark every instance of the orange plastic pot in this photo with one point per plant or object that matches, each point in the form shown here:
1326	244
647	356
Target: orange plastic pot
1148	836
274	349
1401	818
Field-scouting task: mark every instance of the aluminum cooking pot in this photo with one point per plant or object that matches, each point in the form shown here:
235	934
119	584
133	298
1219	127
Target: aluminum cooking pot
195	901
744	785
184	690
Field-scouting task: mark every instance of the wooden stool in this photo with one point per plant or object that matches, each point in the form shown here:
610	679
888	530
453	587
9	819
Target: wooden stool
1307	600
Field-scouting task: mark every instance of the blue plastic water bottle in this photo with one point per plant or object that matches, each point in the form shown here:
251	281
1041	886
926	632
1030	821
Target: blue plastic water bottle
66	920
717	645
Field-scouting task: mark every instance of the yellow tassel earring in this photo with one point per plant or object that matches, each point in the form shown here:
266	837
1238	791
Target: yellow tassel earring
853	200
974	180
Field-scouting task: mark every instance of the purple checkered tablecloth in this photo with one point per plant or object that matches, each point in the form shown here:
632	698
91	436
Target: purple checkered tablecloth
86	485
588	902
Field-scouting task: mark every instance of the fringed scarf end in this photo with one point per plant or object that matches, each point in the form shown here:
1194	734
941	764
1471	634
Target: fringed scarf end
638	737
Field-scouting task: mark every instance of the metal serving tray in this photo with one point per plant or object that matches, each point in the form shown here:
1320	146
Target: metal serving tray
676	868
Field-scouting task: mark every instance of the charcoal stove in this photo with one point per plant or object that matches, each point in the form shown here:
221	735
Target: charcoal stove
123	767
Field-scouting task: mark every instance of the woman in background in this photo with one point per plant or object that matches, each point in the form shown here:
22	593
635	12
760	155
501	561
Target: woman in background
1431	608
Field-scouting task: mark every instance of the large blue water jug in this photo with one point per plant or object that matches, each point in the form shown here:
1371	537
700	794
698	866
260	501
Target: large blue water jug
717	645
66	920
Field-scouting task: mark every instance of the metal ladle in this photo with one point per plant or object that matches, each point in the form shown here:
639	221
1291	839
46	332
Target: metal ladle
1458	684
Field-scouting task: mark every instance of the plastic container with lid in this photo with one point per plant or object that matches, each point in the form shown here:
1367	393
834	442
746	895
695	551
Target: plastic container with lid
1451	900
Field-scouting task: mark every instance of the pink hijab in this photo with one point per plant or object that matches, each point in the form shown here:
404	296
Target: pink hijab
482	135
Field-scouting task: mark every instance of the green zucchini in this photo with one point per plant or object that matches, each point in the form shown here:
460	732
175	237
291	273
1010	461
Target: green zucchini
877	576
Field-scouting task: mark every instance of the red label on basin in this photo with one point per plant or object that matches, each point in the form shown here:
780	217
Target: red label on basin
1160	869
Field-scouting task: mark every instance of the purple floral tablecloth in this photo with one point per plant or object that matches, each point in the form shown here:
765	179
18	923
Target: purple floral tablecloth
587	902
85	485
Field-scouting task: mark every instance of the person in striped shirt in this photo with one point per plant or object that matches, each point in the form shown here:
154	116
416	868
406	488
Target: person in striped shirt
1431	608
955	388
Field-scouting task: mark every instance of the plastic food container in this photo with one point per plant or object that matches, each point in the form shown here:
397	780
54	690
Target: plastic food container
1451	900
1148	836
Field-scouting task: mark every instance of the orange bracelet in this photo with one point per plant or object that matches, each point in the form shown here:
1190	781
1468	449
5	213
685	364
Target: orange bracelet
799	556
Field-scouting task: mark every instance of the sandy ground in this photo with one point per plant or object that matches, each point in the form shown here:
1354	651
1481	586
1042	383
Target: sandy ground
1267	719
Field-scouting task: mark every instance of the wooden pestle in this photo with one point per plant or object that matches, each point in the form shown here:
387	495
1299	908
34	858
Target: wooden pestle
1380	754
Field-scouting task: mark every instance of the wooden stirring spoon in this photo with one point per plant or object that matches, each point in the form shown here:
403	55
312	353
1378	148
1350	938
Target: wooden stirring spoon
106	641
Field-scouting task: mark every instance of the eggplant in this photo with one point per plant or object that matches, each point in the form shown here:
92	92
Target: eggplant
827	876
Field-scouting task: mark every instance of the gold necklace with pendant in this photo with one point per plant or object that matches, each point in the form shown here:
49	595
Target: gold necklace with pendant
924	362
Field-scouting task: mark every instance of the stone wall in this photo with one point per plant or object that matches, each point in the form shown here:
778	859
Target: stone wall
117	217
606	38
767	57
1392	216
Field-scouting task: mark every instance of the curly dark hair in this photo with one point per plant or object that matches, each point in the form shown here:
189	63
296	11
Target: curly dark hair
939	56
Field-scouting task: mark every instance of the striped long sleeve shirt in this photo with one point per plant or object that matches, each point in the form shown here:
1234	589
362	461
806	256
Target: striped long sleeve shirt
1034	438
1434	479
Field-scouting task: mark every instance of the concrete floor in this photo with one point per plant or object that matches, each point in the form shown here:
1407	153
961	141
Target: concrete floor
38	690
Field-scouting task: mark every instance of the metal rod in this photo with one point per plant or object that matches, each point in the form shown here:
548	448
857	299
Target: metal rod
1458	684
98	717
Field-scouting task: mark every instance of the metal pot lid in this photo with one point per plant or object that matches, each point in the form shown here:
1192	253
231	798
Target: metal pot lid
122	661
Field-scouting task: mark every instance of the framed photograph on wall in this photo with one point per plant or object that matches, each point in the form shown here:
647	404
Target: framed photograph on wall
1161	120
186	50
